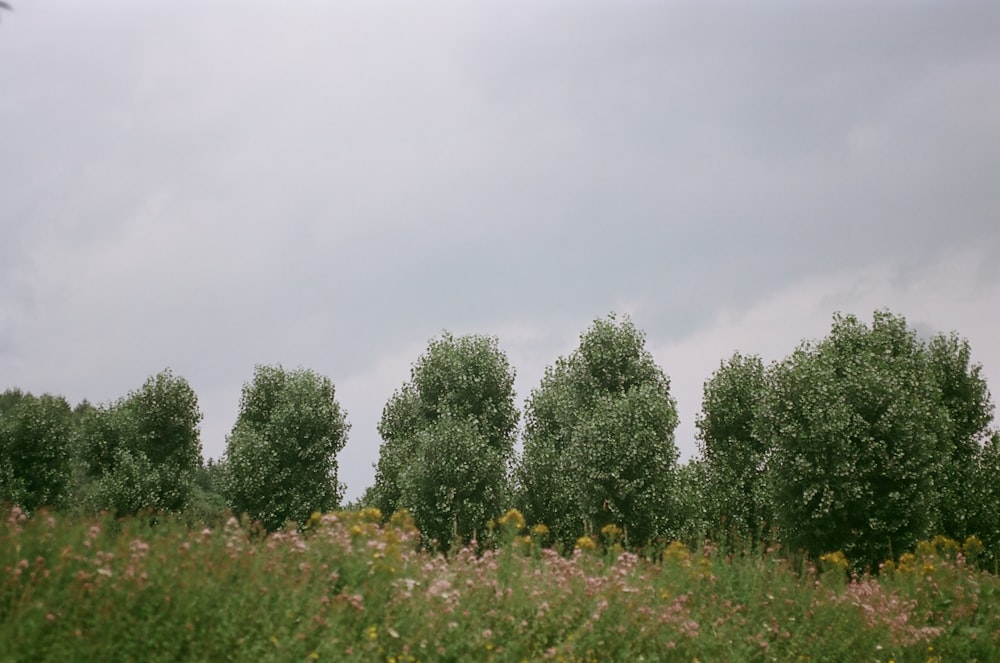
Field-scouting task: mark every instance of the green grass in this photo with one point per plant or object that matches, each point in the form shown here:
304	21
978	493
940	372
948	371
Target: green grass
351	589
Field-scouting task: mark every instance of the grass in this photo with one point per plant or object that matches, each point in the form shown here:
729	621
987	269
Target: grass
348	588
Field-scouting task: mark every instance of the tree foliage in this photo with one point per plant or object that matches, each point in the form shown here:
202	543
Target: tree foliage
599	439
448	438
984	496
142	451
34	449
860	436
400	424
456	482
281	457
969	413
734	454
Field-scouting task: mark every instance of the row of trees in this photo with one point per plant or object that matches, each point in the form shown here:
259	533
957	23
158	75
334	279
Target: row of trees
598	442
864	441
139	452
143	452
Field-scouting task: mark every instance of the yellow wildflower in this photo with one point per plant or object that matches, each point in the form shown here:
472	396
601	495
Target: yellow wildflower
835	560
612	532
514	518
677	552
540	530
371	514
972	546
906	562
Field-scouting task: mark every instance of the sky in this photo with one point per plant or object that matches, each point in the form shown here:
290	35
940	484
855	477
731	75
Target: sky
330	184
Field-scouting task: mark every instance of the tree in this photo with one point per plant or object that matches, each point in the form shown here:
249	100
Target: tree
859	435
208	504
281	457
448	438
11	399
694	511
984	492
34	449
734	454
545	492
456	481
599	439
966	399
142	451
400	424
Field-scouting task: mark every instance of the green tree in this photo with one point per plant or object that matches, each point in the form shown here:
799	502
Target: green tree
142	451
546	493
694	512
11	399
599	439
859	435
208	503
281	457
454	421
984	491
456	481
34	449
735	456
969	407
401	422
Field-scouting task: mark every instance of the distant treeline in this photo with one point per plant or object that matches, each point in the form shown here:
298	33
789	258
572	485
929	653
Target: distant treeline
865	442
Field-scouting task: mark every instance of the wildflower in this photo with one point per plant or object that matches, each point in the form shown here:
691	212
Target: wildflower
704	568
972	546
372	632
513	518
585	543
371	514
677	552
835	561
611	532
16	517
540	530
906	562
945	544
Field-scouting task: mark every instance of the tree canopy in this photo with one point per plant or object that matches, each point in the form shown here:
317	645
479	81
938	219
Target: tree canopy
870	427
448	439
281	457
599	439
34	449
734	454
142	451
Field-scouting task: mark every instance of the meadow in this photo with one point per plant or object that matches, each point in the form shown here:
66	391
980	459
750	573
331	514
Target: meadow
347	587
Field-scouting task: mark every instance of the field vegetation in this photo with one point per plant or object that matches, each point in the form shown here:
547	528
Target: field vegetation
348	587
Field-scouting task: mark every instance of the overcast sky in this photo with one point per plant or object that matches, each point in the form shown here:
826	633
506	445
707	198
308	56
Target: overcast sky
213	185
